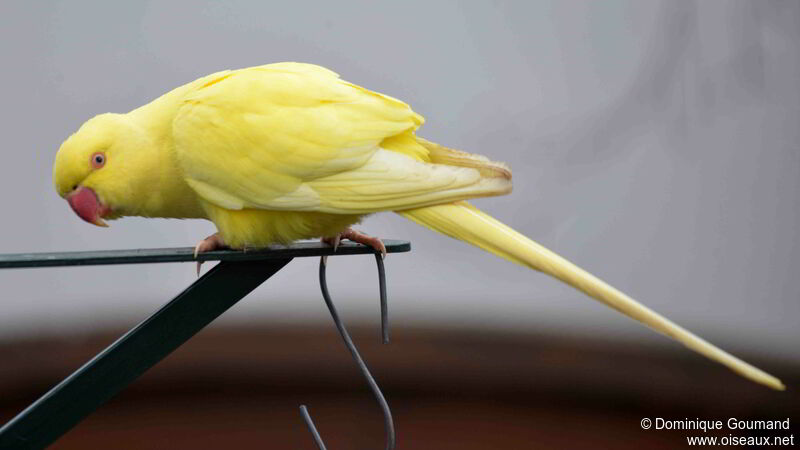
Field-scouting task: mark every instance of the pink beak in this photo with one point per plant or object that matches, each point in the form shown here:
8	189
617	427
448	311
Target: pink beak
86	205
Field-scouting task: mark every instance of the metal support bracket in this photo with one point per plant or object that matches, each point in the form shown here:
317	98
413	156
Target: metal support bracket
111	370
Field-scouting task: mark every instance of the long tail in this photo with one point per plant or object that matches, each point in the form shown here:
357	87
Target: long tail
467	223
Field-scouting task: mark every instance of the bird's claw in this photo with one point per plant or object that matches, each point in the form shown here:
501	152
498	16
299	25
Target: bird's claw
211	243
365	239
332	241
355	236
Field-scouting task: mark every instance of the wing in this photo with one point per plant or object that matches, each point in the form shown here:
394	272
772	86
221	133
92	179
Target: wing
296	137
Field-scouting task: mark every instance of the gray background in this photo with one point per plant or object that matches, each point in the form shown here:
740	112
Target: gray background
653	143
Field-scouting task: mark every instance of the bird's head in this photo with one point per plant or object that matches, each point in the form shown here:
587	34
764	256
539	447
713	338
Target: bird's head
92	168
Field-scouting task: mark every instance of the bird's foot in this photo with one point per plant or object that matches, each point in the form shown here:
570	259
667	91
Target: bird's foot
209	244
355	236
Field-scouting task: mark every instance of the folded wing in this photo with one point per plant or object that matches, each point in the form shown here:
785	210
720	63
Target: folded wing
296	137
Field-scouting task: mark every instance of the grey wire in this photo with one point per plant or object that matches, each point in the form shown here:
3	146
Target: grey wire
312	428
348	342
384	302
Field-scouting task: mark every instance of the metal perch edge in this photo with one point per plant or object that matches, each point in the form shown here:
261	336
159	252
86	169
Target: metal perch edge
114	368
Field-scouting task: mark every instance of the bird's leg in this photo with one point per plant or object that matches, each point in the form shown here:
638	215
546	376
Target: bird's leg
209	244
356	236
332	241
370	241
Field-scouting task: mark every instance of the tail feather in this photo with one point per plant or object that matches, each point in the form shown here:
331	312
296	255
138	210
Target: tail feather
467	223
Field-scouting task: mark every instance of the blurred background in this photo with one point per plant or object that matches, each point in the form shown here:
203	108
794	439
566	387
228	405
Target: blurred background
654	143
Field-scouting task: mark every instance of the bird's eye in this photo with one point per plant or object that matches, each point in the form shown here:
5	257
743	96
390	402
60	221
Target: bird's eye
98	160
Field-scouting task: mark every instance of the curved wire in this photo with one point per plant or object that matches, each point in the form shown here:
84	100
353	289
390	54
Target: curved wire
348	342
312	428
384	302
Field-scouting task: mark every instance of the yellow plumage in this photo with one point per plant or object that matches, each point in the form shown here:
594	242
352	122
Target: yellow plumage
290	151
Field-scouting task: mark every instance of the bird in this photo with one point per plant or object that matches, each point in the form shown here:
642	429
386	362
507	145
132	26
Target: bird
288	151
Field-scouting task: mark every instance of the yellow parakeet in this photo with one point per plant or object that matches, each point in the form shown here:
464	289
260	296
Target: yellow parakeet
289	151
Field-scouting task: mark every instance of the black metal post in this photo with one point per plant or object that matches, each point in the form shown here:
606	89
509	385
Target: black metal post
57	411
110	371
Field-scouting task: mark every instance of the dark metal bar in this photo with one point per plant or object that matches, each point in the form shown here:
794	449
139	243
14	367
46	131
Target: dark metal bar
185	254
114	368
122	362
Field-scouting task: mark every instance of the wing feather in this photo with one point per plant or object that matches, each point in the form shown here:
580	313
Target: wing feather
294	136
